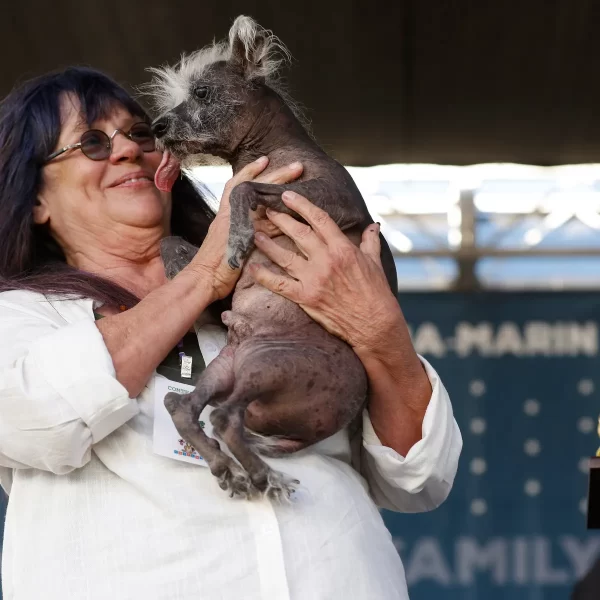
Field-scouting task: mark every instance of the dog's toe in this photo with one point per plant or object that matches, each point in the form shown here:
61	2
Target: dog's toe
237	482
280	487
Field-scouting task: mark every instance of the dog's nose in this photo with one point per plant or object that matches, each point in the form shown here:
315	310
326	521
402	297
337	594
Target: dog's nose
160	126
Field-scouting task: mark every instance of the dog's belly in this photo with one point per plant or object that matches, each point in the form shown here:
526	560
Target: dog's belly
311	383
310	386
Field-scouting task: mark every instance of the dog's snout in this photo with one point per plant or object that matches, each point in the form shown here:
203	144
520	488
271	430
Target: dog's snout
160	126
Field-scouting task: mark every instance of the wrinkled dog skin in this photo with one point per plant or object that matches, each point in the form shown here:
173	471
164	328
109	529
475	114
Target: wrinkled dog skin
282	383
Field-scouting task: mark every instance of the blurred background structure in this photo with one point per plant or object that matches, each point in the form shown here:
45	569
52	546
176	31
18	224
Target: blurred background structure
471	127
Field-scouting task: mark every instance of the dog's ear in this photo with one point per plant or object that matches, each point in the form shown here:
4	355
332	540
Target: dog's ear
250	45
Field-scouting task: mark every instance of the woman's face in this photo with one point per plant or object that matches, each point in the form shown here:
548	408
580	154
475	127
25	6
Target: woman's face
106	201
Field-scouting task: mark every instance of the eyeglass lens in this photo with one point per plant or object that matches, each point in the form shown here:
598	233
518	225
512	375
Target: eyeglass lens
96	144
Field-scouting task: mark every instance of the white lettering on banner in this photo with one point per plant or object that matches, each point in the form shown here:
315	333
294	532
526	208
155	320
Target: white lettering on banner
471	338
534	338
580	555
428	562
543	571
519	561
430	341
471	557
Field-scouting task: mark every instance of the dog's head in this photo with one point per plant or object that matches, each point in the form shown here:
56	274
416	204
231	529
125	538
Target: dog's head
207	101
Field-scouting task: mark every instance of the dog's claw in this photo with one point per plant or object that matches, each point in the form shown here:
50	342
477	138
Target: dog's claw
237	482
239	251
279	486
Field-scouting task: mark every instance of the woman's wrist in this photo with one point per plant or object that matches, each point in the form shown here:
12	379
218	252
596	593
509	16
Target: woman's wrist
196	287
386	333
209	267
387	345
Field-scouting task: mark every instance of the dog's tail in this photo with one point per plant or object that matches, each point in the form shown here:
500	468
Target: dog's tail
273	446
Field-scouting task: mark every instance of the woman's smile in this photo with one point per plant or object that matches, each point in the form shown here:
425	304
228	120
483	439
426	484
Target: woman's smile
135	179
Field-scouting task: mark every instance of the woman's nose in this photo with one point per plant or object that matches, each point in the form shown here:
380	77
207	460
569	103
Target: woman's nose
124	149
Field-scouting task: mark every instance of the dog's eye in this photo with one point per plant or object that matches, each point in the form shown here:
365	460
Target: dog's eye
201	92
183	250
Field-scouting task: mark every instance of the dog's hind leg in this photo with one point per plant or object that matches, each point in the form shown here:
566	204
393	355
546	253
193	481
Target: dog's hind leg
342	208
214	385
228	421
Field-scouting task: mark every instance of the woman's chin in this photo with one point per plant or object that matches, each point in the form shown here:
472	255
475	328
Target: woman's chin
140	211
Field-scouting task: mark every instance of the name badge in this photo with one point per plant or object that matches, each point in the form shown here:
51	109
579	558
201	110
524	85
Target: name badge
186	366
167	441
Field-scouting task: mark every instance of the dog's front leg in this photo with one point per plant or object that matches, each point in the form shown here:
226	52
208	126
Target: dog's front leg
339	204
214	385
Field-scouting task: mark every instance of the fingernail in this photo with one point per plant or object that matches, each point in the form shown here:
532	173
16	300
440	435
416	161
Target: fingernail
295	165
271	212
259	236
288	195
262	159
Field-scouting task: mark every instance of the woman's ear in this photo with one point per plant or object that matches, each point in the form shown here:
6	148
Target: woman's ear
41	211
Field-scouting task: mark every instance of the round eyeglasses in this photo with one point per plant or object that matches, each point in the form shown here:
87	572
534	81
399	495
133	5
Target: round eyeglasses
97	145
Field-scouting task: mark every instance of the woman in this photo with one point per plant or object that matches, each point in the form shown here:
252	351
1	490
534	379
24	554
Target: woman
86	319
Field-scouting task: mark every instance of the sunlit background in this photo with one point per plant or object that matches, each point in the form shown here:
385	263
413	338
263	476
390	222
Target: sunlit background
491	226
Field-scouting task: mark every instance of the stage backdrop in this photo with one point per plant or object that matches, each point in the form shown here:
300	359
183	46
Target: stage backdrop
521	370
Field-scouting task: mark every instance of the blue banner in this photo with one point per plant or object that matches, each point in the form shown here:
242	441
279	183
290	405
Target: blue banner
522	372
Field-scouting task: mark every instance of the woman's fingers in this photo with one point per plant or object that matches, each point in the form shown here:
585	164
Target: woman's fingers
288	260
248	173
282	175
300	233
371	244
322	224
279	284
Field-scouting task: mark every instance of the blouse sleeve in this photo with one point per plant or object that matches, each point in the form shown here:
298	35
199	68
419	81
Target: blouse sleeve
421	480
58	391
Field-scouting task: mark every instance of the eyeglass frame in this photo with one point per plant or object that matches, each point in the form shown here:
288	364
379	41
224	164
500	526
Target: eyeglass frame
110	141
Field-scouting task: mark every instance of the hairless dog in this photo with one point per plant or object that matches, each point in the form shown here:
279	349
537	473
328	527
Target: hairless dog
282	382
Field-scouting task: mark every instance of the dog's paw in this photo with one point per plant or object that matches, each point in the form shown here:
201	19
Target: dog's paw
172	401
237	482
280	487
240	245
237	254
235	261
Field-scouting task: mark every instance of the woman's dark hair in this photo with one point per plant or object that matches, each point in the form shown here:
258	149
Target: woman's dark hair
30	125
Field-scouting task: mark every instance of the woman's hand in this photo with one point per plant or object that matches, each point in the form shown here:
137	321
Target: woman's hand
340	286
211	260
344	288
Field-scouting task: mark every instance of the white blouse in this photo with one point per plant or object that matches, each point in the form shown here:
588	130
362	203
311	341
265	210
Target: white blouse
95	514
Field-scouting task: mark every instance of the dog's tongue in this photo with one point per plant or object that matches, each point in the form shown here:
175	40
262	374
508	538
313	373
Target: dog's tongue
167	172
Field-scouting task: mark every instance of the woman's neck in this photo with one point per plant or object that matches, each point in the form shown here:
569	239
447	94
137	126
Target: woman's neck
134	264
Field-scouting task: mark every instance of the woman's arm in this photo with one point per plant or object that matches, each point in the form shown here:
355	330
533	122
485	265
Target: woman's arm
60	391
140	338
410	441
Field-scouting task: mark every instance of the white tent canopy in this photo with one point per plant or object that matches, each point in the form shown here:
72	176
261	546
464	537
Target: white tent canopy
489	225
